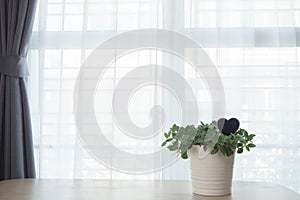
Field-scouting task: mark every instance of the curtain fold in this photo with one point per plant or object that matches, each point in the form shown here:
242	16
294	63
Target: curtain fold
16	147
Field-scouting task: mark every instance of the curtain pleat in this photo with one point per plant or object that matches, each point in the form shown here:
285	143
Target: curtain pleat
16	147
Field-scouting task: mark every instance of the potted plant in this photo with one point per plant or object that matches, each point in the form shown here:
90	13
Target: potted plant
211	148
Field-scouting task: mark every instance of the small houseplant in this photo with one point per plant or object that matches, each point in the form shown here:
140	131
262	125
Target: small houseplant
211	148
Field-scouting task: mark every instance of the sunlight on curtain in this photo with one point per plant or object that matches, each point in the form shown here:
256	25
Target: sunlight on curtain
253	43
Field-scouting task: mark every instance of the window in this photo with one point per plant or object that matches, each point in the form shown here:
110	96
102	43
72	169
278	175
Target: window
253	44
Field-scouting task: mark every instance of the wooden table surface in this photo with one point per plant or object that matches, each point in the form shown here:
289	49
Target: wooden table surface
56	189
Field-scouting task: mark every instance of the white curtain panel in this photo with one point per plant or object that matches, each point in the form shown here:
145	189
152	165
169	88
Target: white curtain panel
253	43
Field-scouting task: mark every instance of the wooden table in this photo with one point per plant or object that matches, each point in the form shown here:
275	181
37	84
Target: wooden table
55	189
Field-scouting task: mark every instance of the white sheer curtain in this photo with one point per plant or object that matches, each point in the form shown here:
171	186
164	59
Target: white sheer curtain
254	44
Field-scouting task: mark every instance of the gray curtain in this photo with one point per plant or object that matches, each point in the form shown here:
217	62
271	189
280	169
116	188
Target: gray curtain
16	149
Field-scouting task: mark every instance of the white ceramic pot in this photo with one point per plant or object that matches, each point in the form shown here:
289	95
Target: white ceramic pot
211	174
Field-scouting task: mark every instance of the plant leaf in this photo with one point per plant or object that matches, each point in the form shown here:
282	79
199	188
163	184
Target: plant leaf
251	136
214	151
251	145
240	150
166	135
165	142
184	155
247	147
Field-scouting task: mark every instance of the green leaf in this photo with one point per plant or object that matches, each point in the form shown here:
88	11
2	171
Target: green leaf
172	147
230	152
166	135
251	136
174	128
248	149
223	150
186	136
245	133
173	134
165	142
184	155
251	145
240	150
214	151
